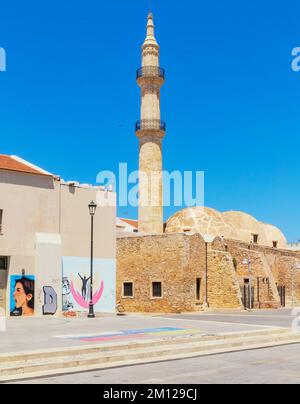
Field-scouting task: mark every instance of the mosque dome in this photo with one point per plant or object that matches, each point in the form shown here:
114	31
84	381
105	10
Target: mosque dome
231	225
274	236
200	220
249	229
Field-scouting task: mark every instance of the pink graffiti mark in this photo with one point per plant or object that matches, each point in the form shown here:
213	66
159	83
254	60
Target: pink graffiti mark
112	338
80	300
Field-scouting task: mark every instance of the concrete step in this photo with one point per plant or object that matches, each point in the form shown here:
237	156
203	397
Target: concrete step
57	352
78	360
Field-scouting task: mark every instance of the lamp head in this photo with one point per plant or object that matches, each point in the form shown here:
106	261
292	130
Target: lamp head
92	208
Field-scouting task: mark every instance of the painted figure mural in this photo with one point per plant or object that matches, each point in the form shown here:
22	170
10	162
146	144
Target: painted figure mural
77	282
84	281
22	296
83	300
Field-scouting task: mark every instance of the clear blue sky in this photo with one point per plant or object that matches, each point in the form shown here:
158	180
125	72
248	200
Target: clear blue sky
68	101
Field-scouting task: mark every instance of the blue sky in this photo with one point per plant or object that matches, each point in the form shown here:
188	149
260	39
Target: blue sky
68	101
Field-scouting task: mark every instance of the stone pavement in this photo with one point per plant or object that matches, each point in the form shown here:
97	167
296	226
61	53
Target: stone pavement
271	318
27	334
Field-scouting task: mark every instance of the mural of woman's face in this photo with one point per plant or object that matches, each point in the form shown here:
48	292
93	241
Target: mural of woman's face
20	297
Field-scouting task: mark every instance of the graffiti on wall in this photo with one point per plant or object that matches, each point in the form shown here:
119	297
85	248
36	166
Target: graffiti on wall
50	301
66	293
22	295
76	284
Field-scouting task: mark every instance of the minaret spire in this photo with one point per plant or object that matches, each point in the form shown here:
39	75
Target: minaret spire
150	130
150	38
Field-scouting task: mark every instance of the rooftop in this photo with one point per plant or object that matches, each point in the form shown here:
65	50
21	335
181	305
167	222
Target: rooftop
14	163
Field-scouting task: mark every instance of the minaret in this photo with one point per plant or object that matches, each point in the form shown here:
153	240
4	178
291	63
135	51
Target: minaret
150	130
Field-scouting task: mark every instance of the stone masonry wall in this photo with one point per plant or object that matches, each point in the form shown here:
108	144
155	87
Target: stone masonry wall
176	260
223	286
273	267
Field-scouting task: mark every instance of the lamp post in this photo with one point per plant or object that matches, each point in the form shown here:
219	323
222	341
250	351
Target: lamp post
207	239
296	267
92	209
247	261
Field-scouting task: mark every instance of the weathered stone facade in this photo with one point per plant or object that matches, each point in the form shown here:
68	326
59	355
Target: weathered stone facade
272	268
178	260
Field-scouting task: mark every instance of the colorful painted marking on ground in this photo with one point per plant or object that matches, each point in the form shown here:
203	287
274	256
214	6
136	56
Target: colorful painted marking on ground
132	334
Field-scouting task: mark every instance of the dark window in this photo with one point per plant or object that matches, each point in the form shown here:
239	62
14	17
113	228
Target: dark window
255	238
4	263
275	244
128	289
156	289
198	288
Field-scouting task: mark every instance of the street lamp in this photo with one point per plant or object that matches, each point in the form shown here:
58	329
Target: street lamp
247	261
296	267
208	239
92	209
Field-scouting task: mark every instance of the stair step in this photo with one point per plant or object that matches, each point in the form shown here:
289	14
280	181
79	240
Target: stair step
187	339
111	358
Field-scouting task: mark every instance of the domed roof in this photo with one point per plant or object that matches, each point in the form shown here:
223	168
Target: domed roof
273	234
200	220
246	225
232	225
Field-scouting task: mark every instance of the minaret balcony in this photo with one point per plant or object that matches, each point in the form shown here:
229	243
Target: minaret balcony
150	73
150	126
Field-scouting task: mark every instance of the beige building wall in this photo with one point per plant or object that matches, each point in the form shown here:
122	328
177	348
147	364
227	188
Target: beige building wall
38	204
75	222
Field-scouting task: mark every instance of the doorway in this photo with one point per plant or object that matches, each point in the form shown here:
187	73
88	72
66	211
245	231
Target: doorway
3	284
282	295
247	295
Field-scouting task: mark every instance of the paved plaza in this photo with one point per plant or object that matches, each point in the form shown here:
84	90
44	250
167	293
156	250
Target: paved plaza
277	364
27	334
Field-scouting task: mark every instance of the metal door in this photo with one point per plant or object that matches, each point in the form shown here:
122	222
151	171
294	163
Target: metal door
246	297
282	294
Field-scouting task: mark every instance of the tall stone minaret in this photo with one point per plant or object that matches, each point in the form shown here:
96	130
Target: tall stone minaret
150	131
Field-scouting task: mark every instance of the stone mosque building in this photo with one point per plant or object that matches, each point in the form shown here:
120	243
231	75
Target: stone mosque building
200	258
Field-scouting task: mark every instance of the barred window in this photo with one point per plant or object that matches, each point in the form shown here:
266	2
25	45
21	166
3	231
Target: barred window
127	289
156	289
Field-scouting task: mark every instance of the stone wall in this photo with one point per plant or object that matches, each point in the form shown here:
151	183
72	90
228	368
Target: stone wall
223	286
176	260
271	268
